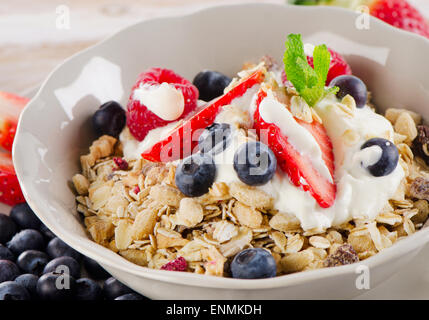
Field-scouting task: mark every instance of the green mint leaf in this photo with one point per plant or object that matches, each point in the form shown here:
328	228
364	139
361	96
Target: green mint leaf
308	82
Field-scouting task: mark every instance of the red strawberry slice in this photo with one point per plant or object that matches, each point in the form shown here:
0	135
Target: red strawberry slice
338	67
10	191
10	108
184	138
140	120
298	167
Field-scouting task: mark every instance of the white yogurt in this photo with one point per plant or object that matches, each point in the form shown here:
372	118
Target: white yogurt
164	100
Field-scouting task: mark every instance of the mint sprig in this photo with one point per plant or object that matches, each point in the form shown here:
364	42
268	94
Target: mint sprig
309	82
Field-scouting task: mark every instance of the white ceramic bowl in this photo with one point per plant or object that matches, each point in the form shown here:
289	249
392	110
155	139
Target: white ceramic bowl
53	130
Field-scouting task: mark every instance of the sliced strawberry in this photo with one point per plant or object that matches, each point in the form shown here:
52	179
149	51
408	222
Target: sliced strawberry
10	191
140	120
298	167
184	138
10	108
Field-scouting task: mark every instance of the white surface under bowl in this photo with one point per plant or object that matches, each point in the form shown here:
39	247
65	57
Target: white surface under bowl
54	129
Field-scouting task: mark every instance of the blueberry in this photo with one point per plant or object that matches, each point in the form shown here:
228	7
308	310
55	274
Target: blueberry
254	163
388	160
109	119
87	289
7	228
32	261
6	254
130	296
11	291
254	263
29	282
113	288
210	84
27	239
49	235
353	86
8	271
195	174
58	248
56	287
215	138
24	217
69	264
94	269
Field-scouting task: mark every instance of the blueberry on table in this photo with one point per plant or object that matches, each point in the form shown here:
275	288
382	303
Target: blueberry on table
7	228
113	288
87	289
195	174
27	239
94	269
215	138
12	291
387	160
353	86
63	265
211	84
255	163
24	217
130	296
29	282
32	261
254	263
109	119
6	254
56	287
58	248
8	271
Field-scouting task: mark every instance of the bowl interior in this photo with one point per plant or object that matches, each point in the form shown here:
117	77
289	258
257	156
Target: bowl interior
55	129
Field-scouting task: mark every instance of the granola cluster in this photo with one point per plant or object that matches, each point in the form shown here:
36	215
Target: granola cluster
137	211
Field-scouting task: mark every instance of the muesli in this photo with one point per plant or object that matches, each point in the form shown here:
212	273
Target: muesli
279	170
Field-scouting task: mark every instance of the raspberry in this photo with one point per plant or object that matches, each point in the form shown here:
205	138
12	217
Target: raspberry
178	264
140	120
122	164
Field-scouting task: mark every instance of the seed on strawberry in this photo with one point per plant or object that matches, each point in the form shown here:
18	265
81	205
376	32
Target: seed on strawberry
10	191
10	108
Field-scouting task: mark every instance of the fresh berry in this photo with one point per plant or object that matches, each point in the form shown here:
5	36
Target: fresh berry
401	14
10	191
140	119
109	119
48	288
7	228
94	269
130	296
215	138
58	248
10	108
211	84
254	263
12	291
255	163
299	168
195	174
63	265
183	139
29	282
27	239
24	217
113	288
120	163
337	67
8	271
388	160
178	264
32	261
353	86
87	289
49	235
6	254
